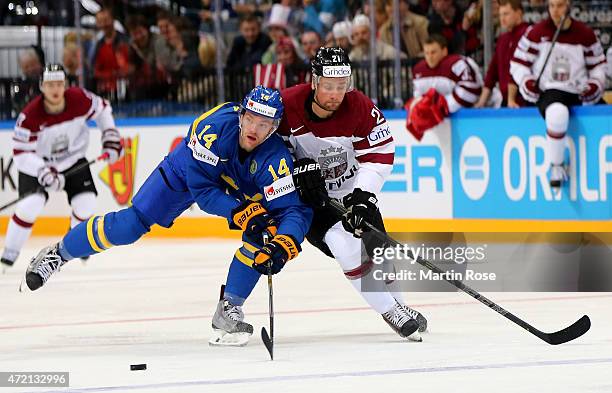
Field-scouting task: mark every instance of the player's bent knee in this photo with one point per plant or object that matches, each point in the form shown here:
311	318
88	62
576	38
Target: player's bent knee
557	118
83	205
124	227
30	207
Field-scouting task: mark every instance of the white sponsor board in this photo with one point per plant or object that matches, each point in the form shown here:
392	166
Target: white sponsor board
419	187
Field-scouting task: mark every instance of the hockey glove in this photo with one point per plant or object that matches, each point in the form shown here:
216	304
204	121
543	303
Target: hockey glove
51	179
309	182
425	112
592	92
254	221
529	89
361	208
111	144
275	254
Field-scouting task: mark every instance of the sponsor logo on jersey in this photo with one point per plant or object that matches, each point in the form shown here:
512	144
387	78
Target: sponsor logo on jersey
379	134
201	153
261	108
333	161
336	71
253	167
119	176
280	187
293	130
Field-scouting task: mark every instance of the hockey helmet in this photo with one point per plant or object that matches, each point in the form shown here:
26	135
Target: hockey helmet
53	72
264	101
331	63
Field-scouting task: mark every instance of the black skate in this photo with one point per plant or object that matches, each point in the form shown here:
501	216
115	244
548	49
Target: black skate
42	266
414	314
402	323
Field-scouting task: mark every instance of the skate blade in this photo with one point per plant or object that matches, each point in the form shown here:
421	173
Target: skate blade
23	287
222	338
415	337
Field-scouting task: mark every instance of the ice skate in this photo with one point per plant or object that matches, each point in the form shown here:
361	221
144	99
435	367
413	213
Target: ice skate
414	314
402	323
558	176
42	266
229	328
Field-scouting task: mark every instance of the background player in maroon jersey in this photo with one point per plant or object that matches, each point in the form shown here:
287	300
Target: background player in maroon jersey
574	74
442	84
51	136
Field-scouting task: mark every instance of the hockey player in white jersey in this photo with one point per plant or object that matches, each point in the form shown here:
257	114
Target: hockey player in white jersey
51	137
573	74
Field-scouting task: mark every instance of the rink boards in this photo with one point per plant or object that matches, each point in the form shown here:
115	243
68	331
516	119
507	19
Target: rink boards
482	170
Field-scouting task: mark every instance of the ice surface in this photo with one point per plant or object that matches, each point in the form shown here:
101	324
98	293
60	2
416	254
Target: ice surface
152	303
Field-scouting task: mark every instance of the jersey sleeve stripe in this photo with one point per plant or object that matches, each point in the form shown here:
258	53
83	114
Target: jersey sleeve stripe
379	158
385	148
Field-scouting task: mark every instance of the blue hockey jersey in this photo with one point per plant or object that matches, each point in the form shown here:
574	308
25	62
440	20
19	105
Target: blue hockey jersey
219	177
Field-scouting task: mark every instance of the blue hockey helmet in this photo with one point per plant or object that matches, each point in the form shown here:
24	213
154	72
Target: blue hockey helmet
265	101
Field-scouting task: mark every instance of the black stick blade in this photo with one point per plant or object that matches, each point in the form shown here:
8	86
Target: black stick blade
570	333
267	342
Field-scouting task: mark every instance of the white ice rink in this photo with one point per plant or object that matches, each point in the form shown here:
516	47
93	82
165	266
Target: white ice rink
152	303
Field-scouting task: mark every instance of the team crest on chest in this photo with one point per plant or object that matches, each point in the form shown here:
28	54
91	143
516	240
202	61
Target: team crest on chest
333	162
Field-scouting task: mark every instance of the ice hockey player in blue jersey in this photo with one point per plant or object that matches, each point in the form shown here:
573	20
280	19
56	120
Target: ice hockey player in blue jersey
232	165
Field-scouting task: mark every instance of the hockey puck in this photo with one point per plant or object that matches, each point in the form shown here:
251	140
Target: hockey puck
135	367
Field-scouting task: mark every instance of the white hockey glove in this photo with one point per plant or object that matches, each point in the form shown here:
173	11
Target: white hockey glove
51	179
111	144
529	89
592	92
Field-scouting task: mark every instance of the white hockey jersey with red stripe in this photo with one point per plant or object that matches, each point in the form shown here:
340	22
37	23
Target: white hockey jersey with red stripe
354	147
61	139
576	57
456	77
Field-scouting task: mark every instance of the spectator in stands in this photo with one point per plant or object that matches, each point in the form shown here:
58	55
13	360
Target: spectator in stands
27	88
511	20
256	7
277	29
207	51
331	11
248	47
446	19
296	71
360	37
163	20
413	30
177	51
71	60
342	35
310	19
110	58
311	41
146	73
30	64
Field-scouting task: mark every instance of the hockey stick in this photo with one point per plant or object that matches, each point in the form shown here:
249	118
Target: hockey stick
571	332
68	173
552	45
268	340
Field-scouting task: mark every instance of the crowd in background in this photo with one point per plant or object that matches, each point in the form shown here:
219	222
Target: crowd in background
143	52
